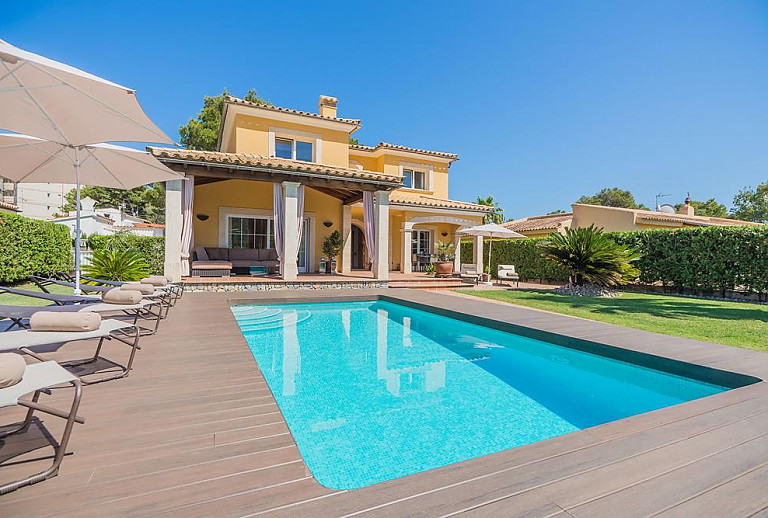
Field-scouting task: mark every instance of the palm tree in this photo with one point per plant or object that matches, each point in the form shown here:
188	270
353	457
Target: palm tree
591	256
494	216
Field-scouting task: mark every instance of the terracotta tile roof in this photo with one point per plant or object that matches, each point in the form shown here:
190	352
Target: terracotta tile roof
234	100
386	145
8	206
697	221
534	223
278	164
399	198
145	225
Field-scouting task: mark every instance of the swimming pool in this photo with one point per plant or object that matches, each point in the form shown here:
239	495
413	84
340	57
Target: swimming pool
375	390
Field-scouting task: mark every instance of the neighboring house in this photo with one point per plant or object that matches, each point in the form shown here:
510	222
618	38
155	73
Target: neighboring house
35	200
616	219
104	222
259	146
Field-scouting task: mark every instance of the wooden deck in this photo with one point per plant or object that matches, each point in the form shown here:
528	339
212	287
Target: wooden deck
194	431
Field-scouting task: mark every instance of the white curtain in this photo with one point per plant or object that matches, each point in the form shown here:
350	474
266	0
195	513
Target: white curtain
300	215
277	215
187	229
369	223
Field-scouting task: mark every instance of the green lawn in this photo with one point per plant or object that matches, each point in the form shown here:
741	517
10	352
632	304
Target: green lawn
732	323
9	299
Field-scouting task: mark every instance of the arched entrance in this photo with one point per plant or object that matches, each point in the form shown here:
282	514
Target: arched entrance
359	261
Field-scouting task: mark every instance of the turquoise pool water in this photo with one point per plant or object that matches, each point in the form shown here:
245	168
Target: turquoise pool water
374	391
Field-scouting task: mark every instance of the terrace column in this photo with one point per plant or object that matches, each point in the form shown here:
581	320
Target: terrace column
406	263
477	252
173	223
290	231
381	222
346	235
456	251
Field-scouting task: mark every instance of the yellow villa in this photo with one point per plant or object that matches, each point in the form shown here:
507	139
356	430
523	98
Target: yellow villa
283	180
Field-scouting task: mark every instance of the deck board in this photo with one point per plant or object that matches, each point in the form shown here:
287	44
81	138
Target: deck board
195	431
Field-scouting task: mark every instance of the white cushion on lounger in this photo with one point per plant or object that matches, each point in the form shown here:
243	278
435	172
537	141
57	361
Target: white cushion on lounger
120	296
12	368
155	280
144	289
65	322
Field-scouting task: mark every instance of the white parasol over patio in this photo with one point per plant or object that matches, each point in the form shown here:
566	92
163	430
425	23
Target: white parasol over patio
490	230
73	112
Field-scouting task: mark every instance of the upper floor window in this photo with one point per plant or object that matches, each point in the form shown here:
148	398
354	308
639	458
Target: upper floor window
293	149
414	179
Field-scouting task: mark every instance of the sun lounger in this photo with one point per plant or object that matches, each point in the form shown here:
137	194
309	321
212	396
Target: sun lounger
38	378
150	310
110	329
175	288
56	298
469	273
43	283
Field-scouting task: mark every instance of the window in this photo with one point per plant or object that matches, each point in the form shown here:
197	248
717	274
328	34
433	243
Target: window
414	179
251	232
420	242
293	149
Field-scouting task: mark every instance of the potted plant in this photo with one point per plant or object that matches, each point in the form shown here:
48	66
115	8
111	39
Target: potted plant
444	264
487	274
331	248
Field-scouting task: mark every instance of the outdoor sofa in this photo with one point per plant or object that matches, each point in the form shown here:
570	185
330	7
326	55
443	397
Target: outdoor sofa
219	262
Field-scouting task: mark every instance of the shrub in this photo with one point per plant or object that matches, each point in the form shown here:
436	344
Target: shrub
117	265
150	248
591	256
32	247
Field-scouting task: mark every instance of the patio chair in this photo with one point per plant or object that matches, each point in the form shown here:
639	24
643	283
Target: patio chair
469	273
150	310
36	379
111	329
507	272
176	289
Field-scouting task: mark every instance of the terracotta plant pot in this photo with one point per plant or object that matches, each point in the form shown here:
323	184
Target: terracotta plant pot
443	268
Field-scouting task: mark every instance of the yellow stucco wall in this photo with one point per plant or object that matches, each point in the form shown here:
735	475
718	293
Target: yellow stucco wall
250	134
390	164
246	194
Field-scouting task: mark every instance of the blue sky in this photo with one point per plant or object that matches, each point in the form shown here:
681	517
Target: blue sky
543	100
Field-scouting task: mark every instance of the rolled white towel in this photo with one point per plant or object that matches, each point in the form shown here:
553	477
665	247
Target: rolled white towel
144	289
121	296
12	368
154	280
78	321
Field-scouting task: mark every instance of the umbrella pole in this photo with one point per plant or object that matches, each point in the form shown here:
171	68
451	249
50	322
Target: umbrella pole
77	225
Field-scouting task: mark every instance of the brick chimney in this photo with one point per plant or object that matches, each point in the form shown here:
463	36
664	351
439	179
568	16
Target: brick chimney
327	106
687	209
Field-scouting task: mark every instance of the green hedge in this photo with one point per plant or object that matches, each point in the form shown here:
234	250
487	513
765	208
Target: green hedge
699	260
152	248
703	260
524	254
32	247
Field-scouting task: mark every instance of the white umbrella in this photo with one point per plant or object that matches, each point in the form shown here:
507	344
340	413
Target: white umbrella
490	230
29	159
72	109
57	102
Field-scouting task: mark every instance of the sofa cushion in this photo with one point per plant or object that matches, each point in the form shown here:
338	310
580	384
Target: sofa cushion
269	263
243	254
244	263
211	265
201	254
273	255
215	254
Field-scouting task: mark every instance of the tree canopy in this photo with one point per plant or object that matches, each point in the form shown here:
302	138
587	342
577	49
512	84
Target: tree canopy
203	132
612	197
752	204
496	215
147	202
707	208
